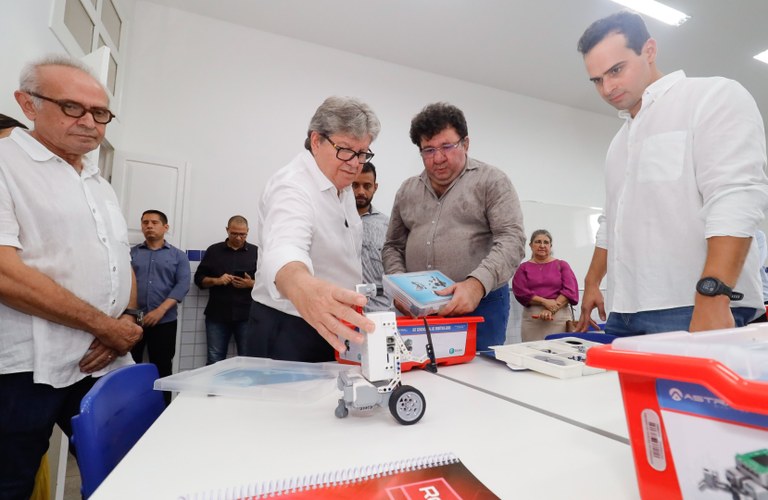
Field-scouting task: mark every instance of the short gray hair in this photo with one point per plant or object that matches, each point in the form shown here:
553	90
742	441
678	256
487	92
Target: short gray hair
540	232
29	80
345	115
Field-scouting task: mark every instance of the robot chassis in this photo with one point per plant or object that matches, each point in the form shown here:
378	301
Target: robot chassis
748	480
378	384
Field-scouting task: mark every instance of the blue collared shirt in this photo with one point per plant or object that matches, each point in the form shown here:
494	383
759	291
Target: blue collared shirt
160	274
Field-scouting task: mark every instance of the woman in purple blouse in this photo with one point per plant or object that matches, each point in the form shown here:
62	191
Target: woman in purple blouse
546	287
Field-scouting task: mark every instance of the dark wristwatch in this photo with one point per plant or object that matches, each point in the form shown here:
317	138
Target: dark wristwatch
138	315
712	287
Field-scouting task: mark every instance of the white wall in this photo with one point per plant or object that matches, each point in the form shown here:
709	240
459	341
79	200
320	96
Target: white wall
24	35
235	103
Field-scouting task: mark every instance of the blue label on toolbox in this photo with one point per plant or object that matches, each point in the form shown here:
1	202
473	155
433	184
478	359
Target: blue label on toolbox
419	330
697	400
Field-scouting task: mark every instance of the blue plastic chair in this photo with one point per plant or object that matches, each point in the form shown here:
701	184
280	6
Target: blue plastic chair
603	338
114	414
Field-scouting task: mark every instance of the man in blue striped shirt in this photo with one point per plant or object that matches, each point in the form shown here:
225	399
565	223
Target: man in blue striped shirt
374	234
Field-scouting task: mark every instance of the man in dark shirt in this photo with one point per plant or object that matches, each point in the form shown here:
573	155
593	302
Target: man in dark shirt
227	269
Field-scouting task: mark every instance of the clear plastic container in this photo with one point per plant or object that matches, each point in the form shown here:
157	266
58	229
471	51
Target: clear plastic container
743	350
416	291
258	378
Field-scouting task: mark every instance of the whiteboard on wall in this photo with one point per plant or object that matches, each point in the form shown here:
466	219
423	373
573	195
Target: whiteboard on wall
573	230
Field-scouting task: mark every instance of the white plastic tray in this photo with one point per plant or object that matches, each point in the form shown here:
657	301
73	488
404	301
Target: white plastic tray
258	378
561	358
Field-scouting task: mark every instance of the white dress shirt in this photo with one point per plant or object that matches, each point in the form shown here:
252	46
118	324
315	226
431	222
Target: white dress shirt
68	226
762	251
303	219
689	166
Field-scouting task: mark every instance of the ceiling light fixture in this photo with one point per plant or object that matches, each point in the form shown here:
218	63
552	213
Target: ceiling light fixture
762	56
656	10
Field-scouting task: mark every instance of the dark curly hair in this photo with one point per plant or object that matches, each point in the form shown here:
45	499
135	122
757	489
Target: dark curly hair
629	24
435	118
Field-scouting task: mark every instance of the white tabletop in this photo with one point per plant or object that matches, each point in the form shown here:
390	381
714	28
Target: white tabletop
591	401
202	443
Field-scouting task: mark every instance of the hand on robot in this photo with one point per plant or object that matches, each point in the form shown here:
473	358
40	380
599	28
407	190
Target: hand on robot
323	305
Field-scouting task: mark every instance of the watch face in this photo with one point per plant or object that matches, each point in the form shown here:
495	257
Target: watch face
707	286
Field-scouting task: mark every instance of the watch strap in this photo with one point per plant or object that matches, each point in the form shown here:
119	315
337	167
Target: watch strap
136	313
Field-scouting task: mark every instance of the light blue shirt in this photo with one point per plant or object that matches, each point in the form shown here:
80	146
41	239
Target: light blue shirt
160	274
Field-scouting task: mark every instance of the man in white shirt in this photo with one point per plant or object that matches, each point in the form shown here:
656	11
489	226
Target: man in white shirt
309	238
685	191
65	273
762	250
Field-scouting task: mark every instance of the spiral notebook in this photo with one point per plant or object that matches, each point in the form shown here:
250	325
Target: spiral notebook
440	476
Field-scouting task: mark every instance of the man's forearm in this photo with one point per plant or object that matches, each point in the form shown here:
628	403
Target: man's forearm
133	300
32	292
725	258
597	268
167	305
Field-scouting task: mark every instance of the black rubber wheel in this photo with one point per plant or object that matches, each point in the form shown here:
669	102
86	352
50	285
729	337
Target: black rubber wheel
407	404
341	410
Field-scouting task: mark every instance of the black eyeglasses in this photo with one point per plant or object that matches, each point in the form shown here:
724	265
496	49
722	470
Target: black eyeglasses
76	110
445	149
346	154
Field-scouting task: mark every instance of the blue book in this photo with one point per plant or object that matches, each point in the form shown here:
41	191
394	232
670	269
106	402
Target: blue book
417	290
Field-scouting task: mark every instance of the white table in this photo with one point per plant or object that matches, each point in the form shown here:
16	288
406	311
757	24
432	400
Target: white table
202	443
591	401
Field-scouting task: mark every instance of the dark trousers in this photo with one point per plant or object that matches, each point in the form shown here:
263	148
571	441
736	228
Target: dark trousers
218	333
28	412
762	318
160	341
277	335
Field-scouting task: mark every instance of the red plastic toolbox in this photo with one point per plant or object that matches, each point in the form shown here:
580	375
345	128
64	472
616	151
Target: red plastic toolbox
698	429
453	340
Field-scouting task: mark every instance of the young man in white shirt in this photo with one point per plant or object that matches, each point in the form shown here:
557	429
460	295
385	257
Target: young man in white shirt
685	191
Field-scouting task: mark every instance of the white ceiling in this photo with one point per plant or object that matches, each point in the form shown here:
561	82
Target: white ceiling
523	46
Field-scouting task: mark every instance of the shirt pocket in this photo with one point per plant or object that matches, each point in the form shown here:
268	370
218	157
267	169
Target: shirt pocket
662	157
117	222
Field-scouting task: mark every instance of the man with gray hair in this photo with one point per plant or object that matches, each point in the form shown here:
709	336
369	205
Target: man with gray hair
309	238
65	272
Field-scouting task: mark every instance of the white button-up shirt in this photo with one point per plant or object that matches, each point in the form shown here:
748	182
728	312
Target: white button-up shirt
68	226
303	219
689	166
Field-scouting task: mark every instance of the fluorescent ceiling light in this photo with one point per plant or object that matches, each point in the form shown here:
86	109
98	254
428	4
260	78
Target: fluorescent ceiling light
656	10
762	56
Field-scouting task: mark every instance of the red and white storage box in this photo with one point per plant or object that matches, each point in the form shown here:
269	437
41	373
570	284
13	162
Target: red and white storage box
454	340
697	410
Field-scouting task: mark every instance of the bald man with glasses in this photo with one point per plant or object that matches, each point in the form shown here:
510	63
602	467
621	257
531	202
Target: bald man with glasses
227	270
67	291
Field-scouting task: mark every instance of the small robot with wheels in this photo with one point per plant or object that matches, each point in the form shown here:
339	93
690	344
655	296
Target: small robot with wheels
748	480
378	384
